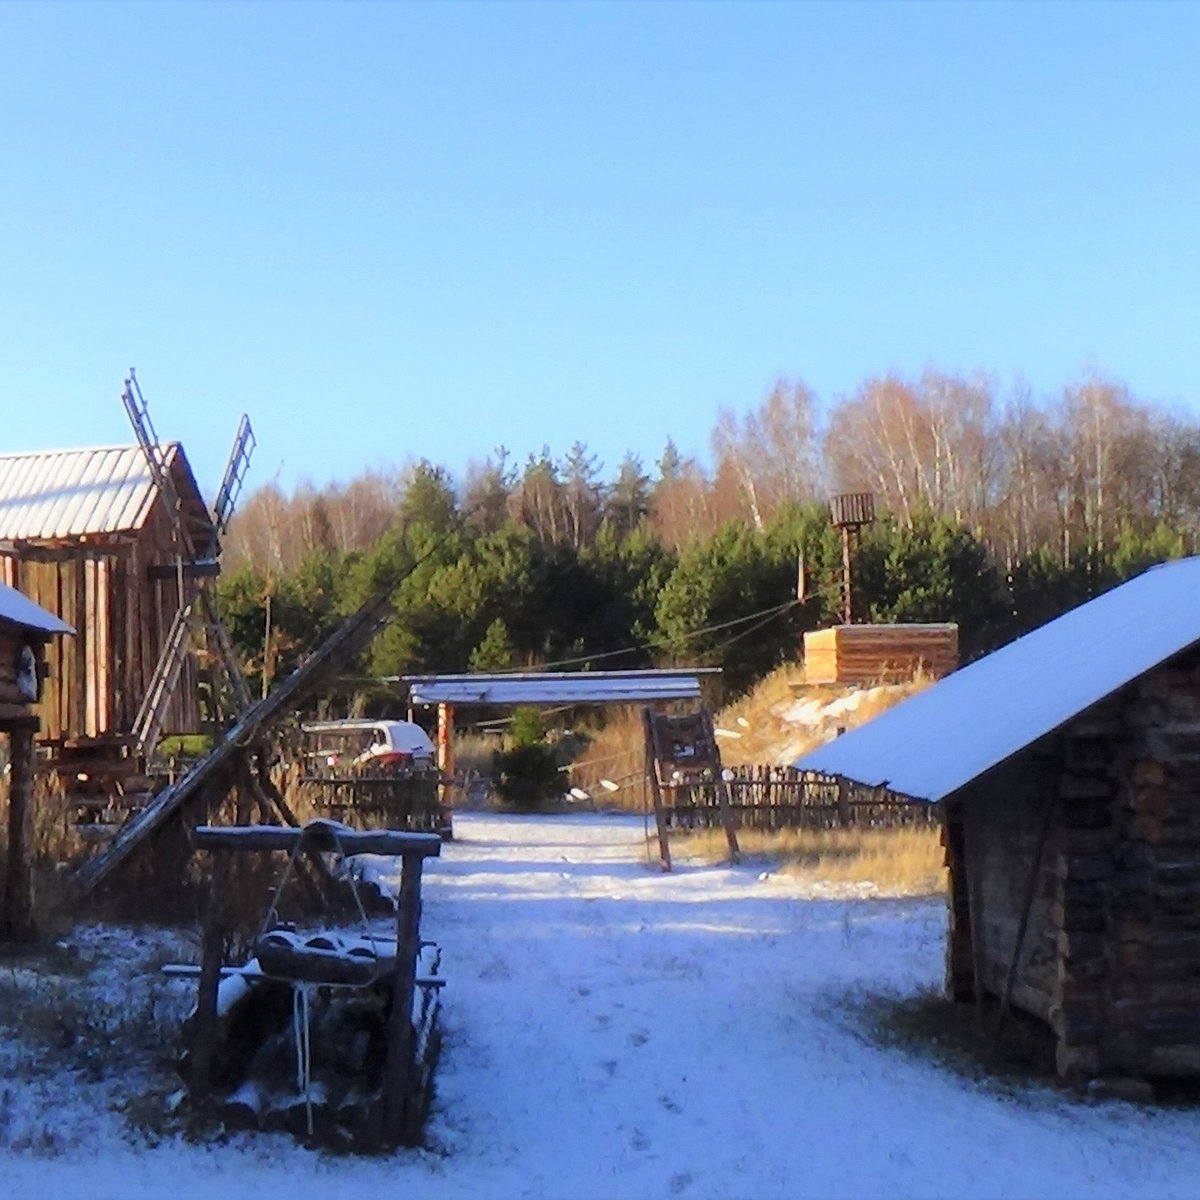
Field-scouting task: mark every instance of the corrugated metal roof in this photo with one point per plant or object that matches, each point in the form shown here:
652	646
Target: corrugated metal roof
72	493
18	609
576	687
932	744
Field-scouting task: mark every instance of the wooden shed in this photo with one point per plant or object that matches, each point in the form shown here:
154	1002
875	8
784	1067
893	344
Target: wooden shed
1068	767
87	535
871	654
25	630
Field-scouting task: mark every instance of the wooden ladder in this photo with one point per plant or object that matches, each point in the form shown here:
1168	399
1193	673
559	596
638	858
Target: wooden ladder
148	724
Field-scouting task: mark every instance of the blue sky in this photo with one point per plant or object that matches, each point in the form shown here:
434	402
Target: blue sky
423	230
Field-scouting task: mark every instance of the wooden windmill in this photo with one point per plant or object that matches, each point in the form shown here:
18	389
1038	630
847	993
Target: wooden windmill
196	628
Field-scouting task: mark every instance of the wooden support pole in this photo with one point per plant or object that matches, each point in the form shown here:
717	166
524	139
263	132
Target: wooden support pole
18	924
843	801
401	1115
212	951
847	579
445	752
660	815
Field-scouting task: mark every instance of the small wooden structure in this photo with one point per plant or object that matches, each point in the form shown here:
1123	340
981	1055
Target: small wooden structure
371	1089
25	631
683	758
1067	766
874	654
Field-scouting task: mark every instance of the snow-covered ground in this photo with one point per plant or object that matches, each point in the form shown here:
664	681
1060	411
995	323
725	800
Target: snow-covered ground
615	1032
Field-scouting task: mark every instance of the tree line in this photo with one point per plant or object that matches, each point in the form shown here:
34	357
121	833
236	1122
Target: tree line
997	511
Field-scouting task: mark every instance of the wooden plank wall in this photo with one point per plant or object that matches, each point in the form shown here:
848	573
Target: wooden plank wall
98	677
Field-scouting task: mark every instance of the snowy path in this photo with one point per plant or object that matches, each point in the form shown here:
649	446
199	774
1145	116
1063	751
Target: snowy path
614	1032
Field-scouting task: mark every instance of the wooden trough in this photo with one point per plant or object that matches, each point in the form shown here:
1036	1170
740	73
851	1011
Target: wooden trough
873	654
330	1034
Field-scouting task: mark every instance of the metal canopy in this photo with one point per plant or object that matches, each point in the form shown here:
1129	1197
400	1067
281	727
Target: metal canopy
558	687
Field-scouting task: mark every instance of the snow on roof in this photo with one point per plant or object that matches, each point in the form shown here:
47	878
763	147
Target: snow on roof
932	744
18	609
549	687
72	493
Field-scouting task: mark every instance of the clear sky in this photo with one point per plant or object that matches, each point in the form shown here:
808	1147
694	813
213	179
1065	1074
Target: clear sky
423	230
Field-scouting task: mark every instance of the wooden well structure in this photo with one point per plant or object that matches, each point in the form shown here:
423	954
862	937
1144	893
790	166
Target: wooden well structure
1067	767
26	630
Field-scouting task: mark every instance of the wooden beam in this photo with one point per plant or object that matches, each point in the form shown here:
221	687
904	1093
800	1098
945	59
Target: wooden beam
401	1115
204	568
326	835
18	924
660	816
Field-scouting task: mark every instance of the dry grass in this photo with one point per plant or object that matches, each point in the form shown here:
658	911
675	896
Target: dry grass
763	735
617	753
751	731
906	862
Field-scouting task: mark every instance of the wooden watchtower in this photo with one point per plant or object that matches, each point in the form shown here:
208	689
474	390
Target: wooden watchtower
851	513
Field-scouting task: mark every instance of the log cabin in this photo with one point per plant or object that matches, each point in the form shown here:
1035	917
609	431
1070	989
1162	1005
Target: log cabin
1067	766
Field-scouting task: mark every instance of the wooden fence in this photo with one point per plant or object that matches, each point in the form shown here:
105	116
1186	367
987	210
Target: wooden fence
410	802
765	797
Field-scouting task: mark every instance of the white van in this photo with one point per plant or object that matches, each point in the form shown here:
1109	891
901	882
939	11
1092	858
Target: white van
359	745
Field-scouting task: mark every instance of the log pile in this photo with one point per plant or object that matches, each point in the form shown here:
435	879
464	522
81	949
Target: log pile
268	1029
873	654
335	1027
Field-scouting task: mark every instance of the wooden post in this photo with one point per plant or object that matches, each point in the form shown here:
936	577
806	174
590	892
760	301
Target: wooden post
18	924
731	840
445	752
660	816
212	950
401	1117
843	801
847	581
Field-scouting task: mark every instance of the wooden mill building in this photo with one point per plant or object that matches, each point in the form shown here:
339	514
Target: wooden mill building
1068	767
87	535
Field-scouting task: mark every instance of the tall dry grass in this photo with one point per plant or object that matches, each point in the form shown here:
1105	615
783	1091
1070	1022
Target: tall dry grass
755	728
908	861
616	752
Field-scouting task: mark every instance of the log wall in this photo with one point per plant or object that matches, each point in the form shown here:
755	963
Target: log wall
1113	954
1002	824
867	654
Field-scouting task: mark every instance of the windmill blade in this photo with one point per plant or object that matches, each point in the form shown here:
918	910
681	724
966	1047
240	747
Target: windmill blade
235	474
152	451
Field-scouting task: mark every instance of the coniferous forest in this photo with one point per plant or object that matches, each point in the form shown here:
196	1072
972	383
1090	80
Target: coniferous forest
998	510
